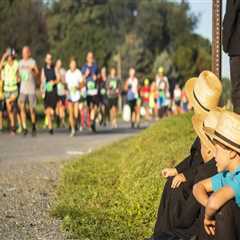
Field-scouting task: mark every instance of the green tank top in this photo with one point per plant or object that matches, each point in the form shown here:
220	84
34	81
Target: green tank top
10	77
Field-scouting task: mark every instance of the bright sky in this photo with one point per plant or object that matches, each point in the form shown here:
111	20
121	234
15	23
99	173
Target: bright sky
204	9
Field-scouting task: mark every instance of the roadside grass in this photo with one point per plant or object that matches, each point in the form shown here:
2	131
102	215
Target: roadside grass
114	193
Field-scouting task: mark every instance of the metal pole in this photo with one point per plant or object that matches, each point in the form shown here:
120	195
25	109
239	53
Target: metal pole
216	37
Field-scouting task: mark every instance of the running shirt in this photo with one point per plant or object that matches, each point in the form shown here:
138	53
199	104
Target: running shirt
28	85
177	94
91	84
73	80
9	75
113	86
60	86
145	93
133	85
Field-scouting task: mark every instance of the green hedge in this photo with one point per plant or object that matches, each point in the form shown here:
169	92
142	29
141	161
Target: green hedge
114	193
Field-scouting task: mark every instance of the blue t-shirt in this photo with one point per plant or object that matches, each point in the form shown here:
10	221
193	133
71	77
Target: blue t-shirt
90	82
231	179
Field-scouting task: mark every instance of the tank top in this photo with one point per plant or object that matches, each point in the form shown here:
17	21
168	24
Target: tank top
49	75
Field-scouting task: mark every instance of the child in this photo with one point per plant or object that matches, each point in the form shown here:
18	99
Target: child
222	208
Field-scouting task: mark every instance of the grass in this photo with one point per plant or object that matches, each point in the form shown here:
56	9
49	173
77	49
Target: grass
114	193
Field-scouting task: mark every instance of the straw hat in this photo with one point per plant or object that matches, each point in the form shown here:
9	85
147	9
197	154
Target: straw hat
201	123
204	92
227	130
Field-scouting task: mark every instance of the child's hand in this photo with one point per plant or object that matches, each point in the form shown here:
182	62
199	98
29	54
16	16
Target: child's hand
169	172
177	180
209	226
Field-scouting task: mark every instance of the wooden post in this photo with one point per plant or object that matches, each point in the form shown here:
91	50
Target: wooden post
216	37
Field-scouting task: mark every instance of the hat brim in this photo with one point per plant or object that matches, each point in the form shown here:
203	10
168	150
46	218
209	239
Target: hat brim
224	142
189	87
197	122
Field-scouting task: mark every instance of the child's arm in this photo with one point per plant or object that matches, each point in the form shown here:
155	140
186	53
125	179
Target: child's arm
201	190
217	200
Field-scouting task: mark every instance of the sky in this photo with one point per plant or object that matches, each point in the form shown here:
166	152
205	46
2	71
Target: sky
203	8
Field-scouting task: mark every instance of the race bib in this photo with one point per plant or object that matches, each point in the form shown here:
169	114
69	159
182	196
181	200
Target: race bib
103	91
91	85
24	75
113	84
49	87
73	90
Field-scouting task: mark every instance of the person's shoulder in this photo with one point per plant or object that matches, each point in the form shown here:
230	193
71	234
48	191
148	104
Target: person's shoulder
32	60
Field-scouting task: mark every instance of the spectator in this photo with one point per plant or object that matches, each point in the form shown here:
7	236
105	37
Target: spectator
231	35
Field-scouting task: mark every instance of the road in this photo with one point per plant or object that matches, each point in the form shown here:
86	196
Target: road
29	173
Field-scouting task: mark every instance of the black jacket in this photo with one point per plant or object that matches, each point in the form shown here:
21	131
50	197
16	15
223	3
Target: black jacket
231	28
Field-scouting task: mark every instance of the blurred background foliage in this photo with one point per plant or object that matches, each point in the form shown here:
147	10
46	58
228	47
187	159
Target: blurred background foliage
139	33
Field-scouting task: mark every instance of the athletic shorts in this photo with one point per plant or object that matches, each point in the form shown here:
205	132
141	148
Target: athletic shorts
1	105
132	104
28	98
178	103
113	102
8	95
92	100
62	99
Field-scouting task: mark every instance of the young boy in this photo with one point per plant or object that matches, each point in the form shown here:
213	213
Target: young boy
222	208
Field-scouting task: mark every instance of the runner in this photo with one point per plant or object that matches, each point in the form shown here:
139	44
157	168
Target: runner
145	95
90	73
49	81
177	93
153	100
28	71
103	98
163	91
10	77
131	87
83	110
113	92
61	92
74	81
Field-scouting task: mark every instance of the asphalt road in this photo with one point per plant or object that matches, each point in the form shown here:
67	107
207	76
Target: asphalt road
60	146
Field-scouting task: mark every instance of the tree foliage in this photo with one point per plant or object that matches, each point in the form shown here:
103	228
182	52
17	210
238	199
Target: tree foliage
145	34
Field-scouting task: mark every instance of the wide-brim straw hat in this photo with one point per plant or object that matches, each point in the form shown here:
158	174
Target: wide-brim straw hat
227	130
202	123
204	92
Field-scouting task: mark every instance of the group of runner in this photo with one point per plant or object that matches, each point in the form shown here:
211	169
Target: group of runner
90	95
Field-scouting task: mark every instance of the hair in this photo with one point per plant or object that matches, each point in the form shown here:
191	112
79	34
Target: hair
215	141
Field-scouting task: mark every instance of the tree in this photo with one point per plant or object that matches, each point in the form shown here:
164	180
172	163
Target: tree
24	24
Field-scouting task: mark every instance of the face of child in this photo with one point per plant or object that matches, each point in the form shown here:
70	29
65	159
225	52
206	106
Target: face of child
223	156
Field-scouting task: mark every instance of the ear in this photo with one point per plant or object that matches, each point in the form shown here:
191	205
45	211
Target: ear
233	154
